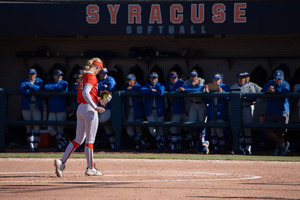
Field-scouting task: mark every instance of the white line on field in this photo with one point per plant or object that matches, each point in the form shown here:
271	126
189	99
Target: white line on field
194	177
154	160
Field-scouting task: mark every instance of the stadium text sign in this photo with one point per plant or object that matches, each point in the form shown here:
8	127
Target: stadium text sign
190	18
155	18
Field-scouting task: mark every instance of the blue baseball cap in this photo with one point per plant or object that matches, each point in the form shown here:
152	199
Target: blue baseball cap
278	75
130	76
246	74
58	73
153	75
173	75
240	75
217	76
105	71
193	74
31	71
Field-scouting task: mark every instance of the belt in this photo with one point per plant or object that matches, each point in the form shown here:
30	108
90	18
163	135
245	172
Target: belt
247	106
32	102
197	102
153	108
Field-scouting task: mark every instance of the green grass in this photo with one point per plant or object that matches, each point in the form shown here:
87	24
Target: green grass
155	156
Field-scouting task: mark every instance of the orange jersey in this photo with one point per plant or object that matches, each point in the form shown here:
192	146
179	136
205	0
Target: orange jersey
91	79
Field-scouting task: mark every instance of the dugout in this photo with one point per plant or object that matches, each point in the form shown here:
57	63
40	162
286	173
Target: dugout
217	36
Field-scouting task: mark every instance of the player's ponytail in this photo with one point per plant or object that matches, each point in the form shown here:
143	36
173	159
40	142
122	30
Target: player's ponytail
94	62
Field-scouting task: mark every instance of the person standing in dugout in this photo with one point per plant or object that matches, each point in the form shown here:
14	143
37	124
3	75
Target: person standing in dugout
176	111
256	87
277	111
247	111
217	111
154	106
107	83
197	109
57	106
31	106
134	111
87	118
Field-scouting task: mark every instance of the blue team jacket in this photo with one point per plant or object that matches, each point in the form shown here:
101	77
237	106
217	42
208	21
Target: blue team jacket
111	87
190	88
277	106
26	87
57	103
178	103
137	102
159	100
222	106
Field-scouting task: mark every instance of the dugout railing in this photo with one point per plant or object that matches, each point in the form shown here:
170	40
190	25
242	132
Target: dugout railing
235	123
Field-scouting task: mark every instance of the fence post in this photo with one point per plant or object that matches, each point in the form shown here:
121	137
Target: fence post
236	118
116	108
3	117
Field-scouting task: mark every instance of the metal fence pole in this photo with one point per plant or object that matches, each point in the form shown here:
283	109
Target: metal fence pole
236	118
3	117
116	108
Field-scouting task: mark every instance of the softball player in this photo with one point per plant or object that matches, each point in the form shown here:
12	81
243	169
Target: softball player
134	111
57	108
108	83
177	110
197	107
247	112
247	81
217	111
87	118
31	106
277	111
154	106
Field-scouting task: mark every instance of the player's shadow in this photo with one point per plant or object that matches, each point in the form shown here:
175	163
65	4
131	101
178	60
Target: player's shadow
241	197
59	186
22	176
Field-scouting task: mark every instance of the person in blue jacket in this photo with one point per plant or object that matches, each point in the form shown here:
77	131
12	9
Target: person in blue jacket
108	83
57	106
277	111
176	111
31	106
134	111
197	109
154	107
217	111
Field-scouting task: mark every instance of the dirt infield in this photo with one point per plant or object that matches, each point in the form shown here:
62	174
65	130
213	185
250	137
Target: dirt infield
150	179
